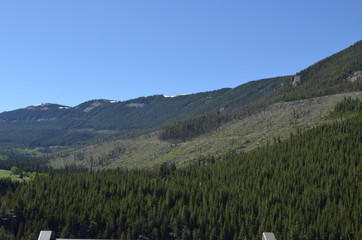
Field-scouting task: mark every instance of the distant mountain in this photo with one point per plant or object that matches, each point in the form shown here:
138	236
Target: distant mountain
140	113
47	125
53	124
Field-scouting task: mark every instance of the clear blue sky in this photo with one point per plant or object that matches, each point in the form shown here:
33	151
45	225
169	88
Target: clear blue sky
71	51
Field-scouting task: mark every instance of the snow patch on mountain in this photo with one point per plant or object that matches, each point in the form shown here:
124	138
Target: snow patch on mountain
42	106
172	96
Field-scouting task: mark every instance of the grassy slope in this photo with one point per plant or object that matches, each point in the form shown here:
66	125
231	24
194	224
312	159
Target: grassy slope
147	151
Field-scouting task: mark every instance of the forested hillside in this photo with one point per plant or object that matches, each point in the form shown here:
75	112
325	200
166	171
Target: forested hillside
339	73
306	187
53	125
147	151
49	125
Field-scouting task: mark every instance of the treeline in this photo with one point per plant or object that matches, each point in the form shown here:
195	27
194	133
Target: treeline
187	129
348	105
205	123
307	187
23	162
9	159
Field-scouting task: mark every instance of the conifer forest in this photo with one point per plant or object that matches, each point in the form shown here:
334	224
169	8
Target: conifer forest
281	155
306	187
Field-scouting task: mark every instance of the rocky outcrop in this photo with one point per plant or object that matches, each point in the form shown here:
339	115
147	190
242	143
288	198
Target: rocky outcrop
295	80
355	76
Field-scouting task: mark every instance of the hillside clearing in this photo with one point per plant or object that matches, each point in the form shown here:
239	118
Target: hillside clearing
274	123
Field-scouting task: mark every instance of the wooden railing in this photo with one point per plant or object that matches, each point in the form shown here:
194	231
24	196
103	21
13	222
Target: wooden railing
46	235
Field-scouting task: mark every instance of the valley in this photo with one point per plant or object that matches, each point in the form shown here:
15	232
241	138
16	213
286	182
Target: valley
281	154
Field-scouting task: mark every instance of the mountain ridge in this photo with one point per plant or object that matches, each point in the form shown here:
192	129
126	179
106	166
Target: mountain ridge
135	114
47	125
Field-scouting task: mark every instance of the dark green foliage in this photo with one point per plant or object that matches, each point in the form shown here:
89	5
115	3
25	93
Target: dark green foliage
24	162
328	76
167	169
7	185
307	187
348	105
32	136
187	129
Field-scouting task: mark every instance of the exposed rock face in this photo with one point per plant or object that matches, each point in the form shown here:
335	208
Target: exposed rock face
355	76
91	107
136	105
296	80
